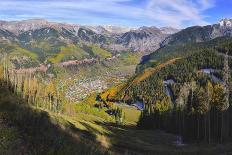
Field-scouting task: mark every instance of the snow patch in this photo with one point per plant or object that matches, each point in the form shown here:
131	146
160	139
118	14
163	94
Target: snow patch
84	31
226	23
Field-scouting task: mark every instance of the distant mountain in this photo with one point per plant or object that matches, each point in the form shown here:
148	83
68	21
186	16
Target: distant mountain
169	30
144	39
7	36
18	27
109	29
200	34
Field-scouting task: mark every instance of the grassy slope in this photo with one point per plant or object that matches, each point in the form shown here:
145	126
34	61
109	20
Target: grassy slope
68	52
14	49
97	51
149	72
15	52
71	51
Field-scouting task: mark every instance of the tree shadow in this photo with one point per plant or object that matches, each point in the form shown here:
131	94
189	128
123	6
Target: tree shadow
131	140
43	134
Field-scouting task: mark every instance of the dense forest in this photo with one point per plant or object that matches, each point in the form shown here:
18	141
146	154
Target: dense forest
188	94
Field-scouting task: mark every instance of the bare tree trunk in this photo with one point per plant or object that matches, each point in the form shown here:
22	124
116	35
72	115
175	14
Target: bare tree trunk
198	128
222	127
209	128
205	127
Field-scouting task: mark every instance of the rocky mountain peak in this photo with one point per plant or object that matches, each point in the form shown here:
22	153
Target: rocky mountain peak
225	22
169	30
116	29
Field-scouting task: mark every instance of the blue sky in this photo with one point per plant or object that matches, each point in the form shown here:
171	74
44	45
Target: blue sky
133	13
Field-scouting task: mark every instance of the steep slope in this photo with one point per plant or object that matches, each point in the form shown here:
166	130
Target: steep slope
25	130
7	36
90	36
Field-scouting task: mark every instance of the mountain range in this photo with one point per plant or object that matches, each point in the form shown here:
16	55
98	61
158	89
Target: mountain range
39	40
143	39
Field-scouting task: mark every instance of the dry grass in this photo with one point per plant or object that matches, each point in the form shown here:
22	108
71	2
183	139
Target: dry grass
147	73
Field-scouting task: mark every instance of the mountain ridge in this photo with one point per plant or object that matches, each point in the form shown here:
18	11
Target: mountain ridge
200	33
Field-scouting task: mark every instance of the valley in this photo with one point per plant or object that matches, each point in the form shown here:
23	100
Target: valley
77	89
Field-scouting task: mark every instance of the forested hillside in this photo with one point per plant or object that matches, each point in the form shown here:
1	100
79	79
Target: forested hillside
186	88
176	50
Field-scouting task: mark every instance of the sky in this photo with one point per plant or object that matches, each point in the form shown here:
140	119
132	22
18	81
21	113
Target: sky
132	13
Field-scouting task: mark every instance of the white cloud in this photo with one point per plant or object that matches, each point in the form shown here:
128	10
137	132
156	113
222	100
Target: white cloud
178	12
206	4
150	12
